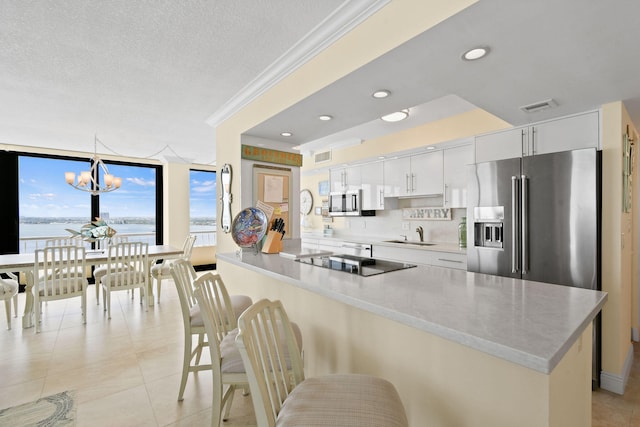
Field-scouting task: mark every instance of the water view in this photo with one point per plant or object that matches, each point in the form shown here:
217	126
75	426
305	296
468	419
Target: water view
34	231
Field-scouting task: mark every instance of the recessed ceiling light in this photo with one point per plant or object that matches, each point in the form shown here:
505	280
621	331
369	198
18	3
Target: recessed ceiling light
325	117
397	116
475	53
286	134
379	94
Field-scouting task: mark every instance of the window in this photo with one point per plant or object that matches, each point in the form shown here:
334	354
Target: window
202	206
131	210
46	204
48	207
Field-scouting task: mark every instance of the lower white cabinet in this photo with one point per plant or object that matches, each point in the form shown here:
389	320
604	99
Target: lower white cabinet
336	246
421	256
450	260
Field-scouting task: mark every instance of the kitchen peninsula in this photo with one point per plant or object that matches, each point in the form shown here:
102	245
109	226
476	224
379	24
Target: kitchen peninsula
463	349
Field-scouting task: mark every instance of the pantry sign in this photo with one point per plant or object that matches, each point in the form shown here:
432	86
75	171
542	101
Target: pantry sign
267	155
433	214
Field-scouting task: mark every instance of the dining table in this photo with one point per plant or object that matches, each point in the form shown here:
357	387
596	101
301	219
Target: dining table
25	262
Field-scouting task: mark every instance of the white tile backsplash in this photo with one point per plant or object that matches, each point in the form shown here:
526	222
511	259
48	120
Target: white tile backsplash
388	224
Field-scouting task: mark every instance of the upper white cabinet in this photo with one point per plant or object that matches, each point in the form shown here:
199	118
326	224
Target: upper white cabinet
505	144
569	133
368	177
396	176
426	170
417	175
345	179
372	186
455	175
563	134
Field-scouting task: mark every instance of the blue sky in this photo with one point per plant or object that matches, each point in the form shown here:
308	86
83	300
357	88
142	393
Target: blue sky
203	194
44	192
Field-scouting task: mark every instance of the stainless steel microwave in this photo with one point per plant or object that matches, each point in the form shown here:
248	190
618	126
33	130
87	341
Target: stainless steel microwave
345	203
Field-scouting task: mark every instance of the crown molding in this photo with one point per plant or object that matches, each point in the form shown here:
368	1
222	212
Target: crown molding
348	16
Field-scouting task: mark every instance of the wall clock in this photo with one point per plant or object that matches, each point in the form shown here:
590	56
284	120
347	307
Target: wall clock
306	201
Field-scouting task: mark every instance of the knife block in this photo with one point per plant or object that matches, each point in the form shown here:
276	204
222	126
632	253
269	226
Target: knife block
273	243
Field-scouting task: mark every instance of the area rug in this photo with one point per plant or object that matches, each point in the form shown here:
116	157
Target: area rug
55	410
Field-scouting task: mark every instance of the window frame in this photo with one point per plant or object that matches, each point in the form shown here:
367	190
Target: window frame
10	174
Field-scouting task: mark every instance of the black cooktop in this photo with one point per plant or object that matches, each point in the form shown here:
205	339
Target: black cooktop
355	264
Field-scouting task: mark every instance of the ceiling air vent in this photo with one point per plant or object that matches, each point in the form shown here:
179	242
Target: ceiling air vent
323	156
539	106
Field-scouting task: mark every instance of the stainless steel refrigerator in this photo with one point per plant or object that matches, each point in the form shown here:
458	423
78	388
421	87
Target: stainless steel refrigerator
538	218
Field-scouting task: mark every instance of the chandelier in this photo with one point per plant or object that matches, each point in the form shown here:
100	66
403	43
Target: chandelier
88	180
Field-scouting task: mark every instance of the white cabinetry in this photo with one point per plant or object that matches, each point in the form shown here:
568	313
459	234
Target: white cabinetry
449	260
345	179
569	133
506	144
421	256
563	134
408	255
396	177
372	179
336	246
417	175
368	177
455	175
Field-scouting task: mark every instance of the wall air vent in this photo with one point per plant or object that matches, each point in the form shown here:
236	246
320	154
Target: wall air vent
539	106
323	156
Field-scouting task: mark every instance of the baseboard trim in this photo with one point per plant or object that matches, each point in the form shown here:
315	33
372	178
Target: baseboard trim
617	383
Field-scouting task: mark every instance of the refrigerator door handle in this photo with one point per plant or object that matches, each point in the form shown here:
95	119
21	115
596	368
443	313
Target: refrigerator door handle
524	209
514	224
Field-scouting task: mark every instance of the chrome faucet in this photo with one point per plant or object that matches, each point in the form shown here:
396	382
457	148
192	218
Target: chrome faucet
420	233
405	237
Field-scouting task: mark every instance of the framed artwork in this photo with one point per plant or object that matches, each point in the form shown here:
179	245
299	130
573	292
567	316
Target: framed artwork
323	188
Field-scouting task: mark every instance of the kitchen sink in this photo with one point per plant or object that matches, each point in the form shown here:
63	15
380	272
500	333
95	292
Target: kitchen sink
410	242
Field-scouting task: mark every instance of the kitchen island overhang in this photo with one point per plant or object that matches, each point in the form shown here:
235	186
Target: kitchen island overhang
534	326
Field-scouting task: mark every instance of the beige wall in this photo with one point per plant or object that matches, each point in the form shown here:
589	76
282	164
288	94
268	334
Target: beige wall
176	210
617	245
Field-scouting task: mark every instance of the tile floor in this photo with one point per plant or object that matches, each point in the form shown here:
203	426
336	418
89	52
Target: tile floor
613	410
126	371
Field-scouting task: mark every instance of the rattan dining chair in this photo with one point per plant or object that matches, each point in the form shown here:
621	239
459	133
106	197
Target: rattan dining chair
59	275
281	394
9	292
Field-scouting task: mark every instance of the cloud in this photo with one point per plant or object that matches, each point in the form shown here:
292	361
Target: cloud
46	196
142	182
204	188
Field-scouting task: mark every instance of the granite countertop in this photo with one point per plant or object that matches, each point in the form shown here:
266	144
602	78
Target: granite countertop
528	323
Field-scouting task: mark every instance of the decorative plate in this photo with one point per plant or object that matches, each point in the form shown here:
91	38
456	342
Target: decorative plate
248	227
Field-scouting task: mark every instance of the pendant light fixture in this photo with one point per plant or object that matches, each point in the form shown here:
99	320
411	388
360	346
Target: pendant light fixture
88	180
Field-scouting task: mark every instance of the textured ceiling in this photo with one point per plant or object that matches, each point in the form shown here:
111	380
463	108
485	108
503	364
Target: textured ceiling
145	76
142	75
